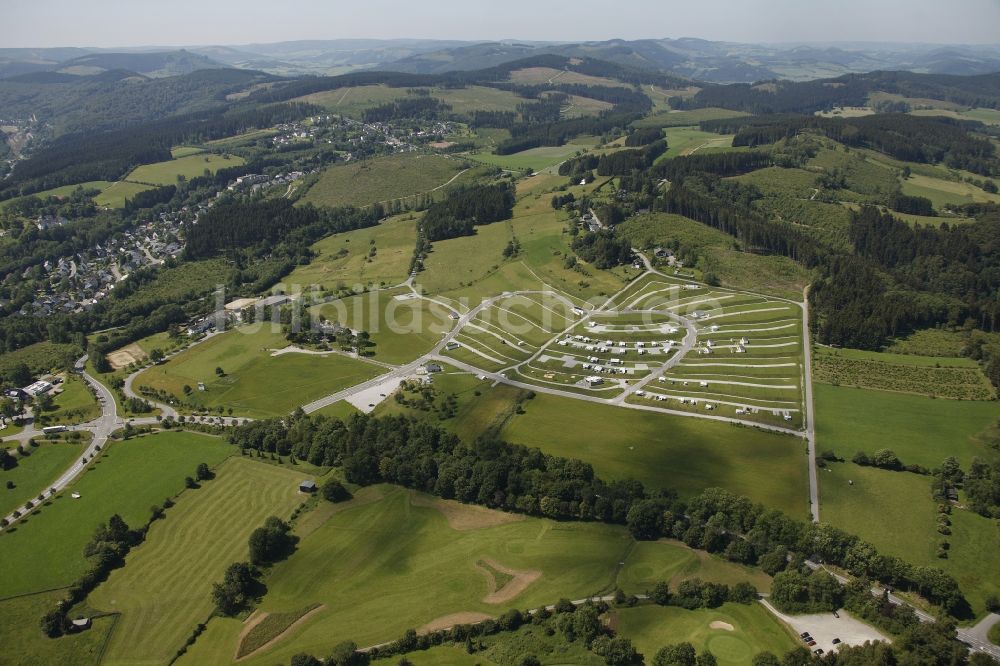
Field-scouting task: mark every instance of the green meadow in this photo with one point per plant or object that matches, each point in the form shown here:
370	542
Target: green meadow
192	166
877	498
754	630
921	430
347	259
665	451
391	560
255	383
26	645
402	326
382	179
164	590
127	478
34	472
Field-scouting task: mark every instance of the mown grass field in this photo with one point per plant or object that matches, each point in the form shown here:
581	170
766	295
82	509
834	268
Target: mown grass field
164	590
943	193
26	645
127	479
386	562
34	472
689	140
536	159
664	451
957	379
754	630
686	118
75	404
346	259
878	498
539	75
255	383
919	429
382	179
115	194
166	173
402	328
178	152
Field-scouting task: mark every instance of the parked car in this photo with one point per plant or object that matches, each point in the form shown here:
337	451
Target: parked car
818	651
803	634
836	641
811	643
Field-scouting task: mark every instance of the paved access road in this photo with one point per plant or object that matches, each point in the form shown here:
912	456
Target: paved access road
101	428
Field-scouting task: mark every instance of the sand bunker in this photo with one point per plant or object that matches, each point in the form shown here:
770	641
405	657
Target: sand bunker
719	624
519	582
464	517
449	621
121	358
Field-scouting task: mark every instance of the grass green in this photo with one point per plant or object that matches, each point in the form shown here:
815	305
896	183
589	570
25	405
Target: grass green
192	166
385	563
919	429
255	383
383	179
402	329
944	193
689	140
665	451
34	472
26	645
536	159
164	590
686	118
115	194
345	259
878	498
76	404
127	479
754	630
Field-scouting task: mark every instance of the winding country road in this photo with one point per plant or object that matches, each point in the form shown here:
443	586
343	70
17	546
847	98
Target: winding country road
101	428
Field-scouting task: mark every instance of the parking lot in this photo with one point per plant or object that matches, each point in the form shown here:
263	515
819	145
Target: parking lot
825	627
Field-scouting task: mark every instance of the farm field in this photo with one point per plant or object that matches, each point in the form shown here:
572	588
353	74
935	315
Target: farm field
944	193
753	630
987	116
164	589
382	179
879	497
255	383
346	259
689	140
27	646
958	378
665	451
32	472
933	342
919	429
178	152
686	118
166	173
538	75
126	479
115	194
535	159
63	191
392	559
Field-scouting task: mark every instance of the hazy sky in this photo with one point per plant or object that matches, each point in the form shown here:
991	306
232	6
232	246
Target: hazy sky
109	23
